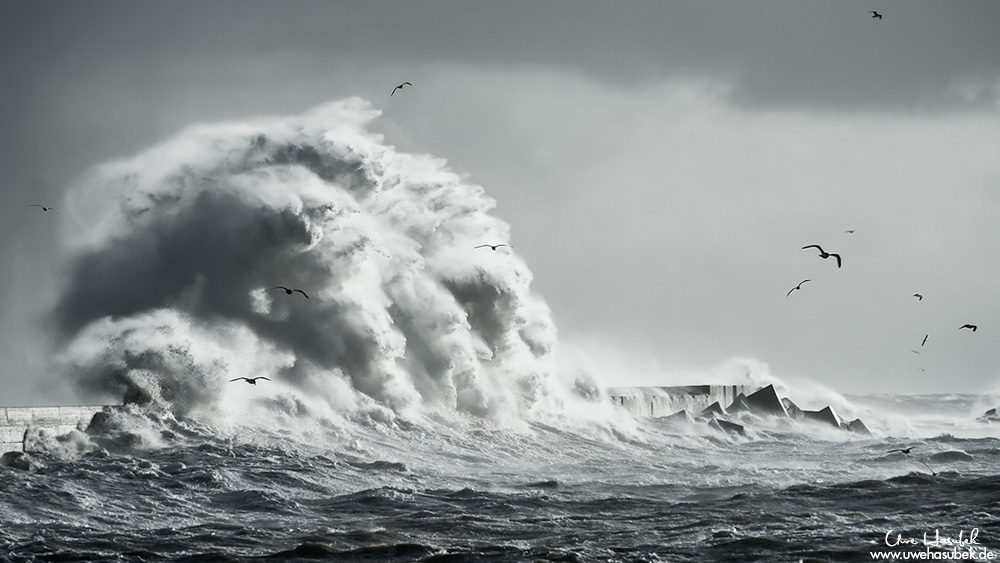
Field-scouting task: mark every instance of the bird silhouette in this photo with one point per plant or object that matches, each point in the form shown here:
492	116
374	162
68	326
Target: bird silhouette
250	380
290	291
796	287
973	327
45	208
493	246
918	296
915	352
875	14
849	231
400	87
824	254
905	451
924	340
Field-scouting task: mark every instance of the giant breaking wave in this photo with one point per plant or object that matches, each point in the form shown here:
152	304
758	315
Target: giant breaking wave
175	248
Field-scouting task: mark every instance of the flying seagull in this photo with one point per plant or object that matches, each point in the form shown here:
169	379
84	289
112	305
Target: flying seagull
289	291
493	246
796	287
925	340
914	351
904	451
850	231
250	380
45	208
400	87
973	327
918	296
875	15
824	254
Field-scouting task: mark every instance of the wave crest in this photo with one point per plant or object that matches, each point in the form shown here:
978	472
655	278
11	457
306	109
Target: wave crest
177	247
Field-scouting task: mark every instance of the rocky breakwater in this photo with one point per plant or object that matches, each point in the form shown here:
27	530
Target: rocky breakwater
745	409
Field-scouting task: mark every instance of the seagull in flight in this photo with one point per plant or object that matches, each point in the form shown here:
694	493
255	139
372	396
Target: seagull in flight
875	15
849	231
45	208
824	254
250	380
915	352
290	291
925	340
904	451
493	246
400	87
796	287
918	296
973	327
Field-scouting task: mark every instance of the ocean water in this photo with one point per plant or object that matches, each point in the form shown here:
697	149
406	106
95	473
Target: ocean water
152	487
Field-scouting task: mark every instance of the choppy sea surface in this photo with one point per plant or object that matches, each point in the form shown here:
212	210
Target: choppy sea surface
152	487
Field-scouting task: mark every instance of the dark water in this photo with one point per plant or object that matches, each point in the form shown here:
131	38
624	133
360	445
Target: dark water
152	488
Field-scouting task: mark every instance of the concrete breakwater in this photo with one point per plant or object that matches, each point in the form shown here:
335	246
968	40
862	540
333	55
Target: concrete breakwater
722	406
17	422
665	401
718	403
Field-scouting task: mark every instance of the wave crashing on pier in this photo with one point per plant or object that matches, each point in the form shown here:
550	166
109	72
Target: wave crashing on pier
176	247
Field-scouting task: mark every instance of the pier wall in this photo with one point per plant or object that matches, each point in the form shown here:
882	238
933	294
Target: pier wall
15	422
640	401
664	401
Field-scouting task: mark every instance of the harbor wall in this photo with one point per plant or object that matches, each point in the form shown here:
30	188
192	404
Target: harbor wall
16	421
640	401
665	401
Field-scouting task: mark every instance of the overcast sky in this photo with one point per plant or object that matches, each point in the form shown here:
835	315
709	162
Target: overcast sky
660	163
